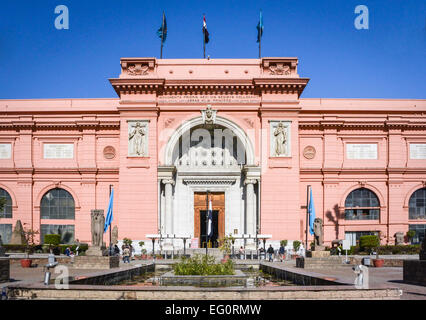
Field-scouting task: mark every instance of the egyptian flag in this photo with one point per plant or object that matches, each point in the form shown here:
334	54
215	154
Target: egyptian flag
260	27
210	217
162	31
205	32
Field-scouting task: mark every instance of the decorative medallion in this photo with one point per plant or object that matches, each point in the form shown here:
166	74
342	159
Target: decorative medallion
109	152
309	152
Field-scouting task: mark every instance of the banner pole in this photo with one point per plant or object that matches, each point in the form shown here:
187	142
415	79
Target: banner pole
307	216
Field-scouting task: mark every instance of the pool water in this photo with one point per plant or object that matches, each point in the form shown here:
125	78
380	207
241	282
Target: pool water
255	279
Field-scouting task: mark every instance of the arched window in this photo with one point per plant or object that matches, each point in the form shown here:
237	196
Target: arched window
362	204
57	204
417	204
6	212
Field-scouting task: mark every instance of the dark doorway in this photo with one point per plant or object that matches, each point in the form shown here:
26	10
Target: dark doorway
215	225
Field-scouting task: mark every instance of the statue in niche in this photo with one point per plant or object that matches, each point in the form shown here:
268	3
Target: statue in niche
280	139
318	233
137	138
399	238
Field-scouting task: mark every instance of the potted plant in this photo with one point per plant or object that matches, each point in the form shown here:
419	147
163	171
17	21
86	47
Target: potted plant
143	254
29	235
226	246
296	246
141	244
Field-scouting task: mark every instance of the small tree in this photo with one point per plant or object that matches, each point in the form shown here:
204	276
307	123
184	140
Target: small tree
29	235
410	235
296	245
283	243
369	242
226	244
127	241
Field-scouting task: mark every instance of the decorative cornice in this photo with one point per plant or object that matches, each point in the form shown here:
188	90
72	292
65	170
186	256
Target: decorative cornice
226	182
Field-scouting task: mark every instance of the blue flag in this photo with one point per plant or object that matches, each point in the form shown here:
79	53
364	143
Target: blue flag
108	219
311	211
210	217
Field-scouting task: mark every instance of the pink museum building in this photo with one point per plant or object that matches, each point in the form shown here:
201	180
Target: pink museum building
237	129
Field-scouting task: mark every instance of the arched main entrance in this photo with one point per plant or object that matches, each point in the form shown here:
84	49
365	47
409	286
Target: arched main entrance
216	158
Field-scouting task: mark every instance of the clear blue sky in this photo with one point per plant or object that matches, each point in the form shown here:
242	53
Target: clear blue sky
386	61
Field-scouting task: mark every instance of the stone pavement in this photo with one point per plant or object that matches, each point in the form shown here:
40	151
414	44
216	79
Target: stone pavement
388	276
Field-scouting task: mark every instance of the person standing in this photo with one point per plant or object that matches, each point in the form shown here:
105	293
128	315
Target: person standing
270	252
126	254
241	253
281	253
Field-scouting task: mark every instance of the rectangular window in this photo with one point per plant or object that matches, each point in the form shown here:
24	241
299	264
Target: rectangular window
420	230
417	151
66	232
353	236
5	232
361	151
5	151
58	151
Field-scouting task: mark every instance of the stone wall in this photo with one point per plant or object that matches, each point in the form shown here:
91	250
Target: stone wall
4	269
415	272
94	262
114	276
387	262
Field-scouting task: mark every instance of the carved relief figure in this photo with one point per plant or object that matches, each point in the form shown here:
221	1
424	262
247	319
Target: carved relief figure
137	139
98	223
279	69
209	115
318	232
280	139
135	70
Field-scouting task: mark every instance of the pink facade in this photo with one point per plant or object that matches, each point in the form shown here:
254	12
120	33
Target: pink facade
334	145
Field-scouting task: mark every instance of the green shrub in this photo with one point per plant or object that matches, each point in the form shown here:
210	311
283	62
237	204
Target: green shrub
410	234
127	241
283	243
202	265
368	243
296	245
399	249
52	239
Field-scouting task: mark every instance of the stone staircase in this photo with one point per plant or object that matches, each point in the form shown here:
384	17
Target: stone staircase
215	252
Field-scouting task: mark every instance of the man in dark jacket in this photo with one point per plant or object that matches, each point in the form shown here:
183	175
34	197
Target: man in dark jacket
270	252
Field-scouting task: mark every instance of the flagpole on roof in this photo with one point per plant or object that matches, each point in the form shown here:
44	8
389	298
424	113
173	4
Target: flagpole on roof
162	35
204	48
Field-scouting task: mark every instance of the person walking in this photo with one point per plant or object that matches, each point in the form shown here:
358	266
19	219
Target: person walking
281	253
126	254
270	252
241	251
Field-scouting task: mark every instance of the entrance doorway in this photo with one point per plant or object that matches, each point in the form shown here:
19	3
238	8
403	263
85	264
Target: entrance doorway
200	215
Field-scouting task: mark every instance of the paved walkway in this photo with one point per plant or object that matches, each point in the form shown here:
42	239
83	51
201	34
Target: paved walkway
388	276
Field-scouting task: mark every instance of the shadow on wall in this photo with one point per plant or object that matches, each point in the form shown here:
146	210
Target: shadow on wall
334	218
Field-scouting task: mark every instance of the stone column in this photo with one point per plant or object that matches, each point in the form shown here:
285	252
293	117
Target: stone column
251	212
168	210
